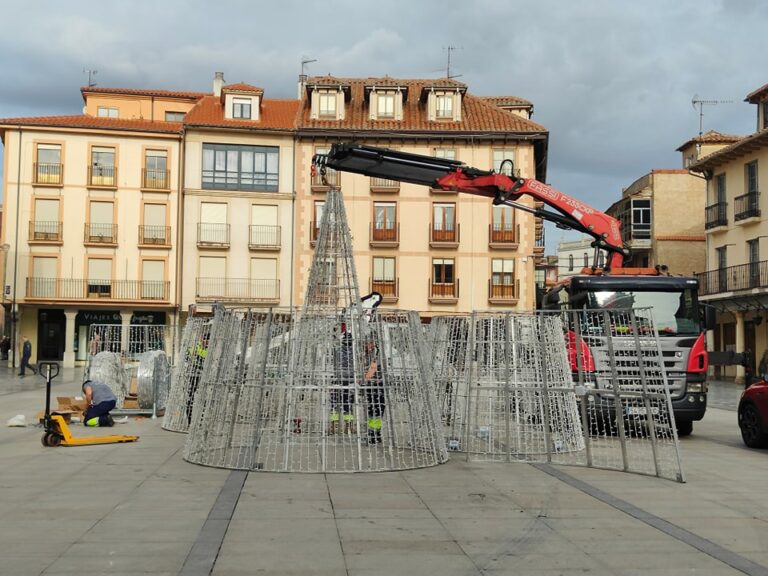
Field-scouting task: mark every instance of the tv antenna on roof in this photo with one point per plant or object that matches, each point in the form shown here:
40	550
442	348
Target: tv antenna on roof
91	77
450	48
304	62
698	102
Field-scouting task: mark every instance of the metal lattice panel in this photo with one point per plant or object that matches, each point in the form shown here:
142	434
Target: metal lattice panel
507	392
330	389
154	375
186	375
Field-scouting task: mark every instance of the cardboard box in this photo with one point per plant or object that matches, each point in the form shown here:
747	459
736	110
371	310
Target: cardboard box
131	403
133	389
72	403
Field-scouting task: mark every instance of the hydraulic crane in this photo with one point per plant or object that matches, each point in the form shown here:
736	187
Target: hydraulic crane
453	175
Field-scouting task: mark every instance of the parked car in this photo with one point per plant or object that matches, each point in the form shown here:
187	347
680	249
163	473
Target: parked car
753	415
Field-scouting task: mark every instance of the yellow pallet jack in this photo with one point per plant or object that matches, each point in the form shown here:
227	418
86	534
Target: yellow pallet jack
56	428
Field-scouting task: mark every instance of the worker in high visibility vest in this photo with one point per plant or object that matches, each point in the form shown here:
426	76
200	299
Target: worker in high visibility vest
374	391
197	356
341	396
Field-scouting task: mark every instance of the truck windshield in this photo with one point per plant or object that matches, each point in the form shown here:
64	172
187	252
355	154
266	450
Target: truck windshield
674	312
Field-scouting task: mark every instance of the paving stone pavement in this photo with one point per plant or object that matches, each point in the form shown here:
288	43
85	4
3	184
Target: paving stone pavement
141	509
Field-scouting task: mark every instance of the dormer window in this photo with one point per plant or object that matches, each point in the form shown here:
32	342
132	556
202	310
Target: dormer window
444	106
107	112
241	108
385	105
327	104
765	114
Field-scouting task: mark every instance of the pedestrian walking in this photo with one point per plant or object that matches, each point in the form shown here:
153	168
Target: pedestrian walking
26	354
5	347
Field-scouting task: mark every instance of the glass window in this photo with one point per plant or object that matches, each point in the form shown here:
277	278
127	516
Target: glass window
232	167
447	153
720	189
641	219
174	116
499	157
156	169
385	104
444	216
444	105
586	260
502	271
383	269
327	103
570	262
673	312
384	215
750	173
102	157
241	108
48	167
107	112
765	114
443	271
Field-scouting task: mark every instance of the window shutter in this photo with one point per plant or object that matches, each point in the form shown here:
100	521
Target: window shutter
99	269
263	269
154	214
263	215
373	105
213	213
213	267
46	210
102	213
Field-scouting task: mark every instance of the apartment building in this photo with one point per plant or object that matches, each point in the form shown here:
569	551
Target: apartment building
575	255
423	249
736	278
90	205
238	198
651	226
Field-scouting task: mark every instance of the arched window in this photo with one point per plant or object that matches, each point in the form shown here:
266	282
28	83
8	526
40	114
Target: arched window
570	262
586	259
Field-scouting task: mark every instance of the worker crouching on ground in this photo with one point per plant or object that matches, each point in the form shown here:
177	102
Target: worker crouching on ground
342	397
100	400
374	391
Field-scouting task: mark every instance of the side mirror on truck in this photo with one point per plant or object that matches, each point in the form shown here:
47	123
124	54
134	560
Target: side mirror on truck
708	313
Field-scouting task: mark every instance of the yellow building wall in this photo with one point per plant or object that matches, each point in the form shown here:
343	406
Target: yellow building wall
137	107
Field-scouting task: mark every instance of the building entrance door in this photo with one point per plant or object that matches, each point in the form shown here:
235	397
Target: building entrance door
51	327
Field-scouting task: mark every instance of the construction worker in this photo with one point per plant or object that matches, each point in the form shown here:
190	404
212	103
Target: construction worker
342	397
197	356
374	391
100	400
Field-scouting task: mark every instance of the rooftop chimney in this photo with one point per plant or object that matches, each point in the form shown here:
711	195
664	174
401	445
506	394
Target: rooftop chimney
218	83
302	84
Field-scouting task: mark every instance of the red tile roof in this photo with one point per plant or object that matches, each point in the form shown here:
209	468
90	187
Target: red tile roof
242	87
755	96
274	115
142	92
478	114
94	122
739	149
710	137
507	100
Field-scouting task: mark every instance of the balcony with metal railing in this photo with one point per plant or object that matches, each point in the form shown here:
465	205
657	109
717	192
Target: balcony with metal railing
446	235
389	289
242	290
69	289
506	293
264	237
443	292
384	186
504	235
213	235
48	174
746	207
385	236
155	236
102	176
734	278
46	232
539	242
319	184
153	179
716	215
100	234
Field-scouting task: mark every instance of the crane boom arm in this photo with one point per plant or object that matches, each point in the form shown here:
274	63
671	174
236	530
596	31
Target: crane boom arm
453	175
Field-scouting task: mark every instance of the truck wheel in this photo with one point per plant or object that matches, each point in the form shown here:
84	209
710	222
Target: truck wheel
684	428
752	427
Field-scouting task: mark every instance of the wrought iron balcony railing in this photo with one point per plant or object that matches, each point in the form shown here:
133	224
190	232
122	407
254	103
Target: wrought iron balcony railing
445	234
155	235
506	291
746	206
45	231
96	233
384	185
331	179
503	233
734	278
152	179
238	290
716	215
263	237
48	173
444	290
102	176
82	289
213	235
389	289
387	234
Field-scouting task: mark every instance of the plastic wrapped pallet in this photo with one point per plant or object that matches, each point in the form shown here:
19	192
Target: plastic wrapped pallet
154	376
107	367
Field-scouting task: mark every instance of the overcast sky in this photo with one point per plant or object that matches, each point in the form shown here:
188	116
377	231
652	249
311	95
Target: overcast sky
611	80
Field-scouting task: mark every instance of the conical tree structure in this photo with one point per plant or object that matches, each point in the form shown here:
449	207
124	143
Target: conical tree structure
339	392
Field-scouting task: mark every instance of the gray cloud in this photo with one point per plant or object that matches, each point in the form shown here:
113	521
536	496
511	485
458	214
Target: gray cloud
612	81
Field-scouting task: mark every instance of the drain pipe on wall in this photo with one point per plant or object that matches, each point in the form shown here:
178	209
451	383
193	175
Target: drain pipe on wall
179	245
14	313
